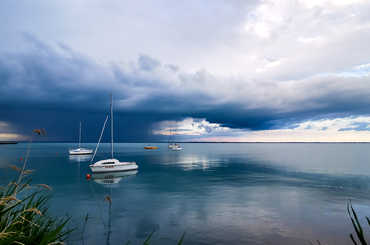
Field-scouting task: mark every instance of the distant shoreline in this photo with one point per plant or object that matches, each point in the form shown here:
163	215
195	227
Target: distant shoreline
196	142
8	142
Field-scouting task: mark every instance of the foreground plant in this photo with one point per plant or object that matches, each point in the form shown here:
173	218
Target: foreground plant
24	215
24	218
360	236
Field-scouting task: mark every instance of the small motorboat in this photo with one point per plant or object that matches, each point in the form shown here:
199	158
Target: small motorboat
151	147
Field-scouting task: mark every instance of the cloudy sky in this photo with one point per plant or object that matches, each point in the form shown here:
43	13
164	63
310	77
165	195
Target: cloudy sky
220	70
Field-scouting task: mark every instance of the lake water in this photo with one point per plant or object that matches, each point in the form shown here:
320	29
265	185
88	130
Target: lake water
216	193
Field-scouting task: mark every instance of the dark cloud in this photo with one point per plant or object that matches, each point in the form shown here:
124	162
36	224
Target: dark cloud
55	88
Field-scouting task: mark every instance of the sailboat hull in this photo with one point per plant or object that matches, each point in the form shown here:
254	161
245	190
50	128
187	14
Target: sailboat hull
112	165
80	151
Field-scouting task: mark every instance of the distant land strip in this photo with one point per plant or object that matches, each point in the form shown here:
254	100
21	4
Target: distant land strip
207	142
8	142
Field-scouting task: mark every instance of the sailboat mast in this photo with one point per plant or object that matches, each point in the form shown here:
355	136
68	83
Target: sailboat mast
79	139
169	136
111	121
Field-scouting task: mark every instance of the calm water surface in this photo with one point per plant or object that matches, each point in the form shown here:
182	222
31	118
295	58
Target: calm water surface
216	193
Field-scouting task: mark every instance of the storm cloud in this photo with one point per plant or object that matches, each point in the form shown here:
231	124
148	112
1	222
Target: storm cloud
269	65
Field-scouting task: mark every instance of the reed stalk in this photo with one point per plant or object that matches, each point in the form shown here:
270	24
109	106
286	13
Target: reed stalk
24	217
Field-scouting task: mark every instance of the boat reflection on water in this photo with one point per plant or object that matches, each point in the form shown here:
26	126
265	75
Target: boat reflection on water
109	180
112	178
79	158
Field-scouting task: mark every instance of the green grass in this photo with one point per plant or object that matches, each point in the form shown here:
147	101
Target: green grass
24	217
359	236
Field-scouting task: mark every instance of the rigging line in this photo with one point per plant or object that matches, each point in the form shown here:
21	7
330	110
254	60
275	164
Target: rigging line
111	121
79	139
101	134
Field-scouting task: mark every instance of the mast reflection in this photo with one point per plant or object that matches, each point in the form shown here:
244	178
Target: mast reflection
79	158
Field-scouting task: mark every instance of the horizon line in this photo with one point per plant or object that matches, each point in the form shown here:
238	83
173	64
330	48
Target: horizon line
197	142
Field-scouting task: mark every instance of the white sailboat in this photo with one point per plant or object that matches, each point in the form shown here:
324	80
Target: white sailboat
172	145
176	147
79	150
112	164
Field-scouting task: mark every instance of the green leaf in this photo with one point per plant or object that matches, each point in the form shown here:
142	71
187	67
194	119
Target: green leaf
181	239
146	242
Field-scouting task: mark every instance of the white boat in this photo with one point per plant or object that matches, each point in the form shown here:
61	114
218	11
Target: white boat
80	150
112	164
176	147
173	146
170	144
